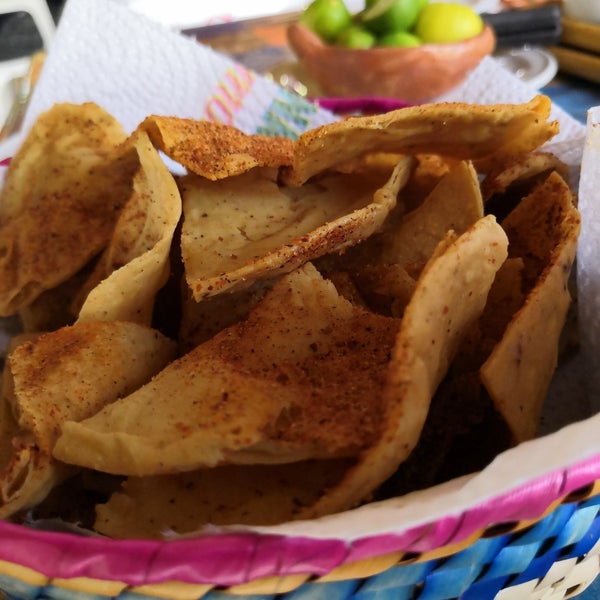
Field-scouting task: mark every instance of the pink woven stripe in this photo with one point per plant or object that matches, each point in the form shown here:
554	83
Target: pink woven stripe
228	559
5	162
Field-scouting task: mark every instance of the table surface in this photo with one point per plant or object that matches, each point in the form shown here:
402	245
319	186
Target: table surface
574	95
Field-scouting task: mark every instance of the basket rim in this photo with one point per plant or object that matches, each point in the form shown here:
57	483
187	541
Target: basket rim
226	557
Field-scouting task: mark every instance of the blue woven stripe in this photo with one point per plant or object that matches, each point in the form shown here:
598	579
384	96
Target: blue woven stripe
217	595
19	590
400	581
57	593
517	556
569	526
457	573
340	590
589	540
575	530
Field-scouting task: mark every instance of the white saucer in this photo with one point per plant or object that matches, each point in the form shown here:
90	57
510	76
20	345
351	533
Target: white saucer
534	66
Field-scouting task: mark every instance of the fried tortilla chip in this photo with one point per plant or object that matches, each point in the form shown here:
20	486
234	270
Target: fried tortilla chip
69	374
433	326
27	473
453	129
214	150
544	229
386	289
300	378
521	170
454	204
246	228
63	193
154	507
135	265
200	321
52	309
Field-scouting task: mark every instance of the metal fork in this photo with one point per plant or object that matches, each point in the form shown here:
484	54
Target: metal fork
22	88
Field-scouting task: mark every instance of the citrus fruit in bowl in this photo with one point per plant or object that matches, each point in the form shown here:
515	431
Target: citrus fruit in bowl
412	50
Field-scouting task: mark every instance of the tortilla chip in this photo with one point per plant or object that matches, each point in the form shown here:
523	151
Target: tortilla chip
428	172
454	204
521	170
68	374
52	309
385	289
543	229
246	228
27	474
214	150
71	373
135	265
28	478
63	192
287	384
154	507
433	326
505	299
200	321
464	131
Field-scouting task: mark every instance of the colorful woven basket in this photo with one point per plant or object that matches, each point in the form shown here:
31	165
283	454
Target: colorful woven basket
539	540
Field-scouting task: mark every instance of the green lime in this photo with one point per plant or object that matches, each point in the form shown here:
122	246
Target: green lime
355	36
327	18
446	22
400	39
385	16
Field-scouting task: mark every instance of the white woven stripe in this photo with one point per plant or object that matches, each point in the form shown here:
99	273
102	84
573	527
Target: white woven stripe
518	592
565	579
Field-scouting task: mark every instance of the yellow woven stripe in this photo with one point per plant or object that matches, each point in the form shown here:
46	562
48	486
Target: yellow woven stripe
587	493
450	549
363	568
269	585
21	573
173	590
86	585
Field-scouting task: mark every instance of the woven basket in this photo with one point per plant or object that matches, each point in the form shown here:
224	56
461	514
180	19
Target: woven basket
497	549
537	540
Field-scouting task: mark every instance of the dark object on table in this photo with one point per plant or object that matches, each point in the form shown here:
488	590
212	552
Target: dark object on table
18	34
540	26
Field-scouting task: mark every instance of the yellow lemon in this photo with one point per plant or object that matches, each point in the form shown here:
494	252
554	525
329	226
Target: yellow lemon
442	22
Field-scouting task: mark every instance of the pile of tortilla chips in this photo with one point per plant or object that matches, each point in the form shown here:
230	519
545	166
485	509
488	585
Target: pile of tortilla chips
287	330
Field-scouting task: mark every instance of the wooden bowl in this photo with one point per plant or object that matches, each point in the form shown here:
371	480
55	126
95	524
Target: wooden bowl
414	75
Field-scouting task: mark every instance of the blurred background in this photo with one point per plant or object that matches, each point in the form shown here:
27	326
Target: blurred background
563	60
19	35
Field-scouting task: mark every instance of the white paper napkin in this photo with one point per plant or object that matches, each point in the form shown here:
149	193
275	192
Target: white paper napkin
588	258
